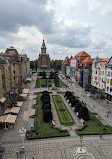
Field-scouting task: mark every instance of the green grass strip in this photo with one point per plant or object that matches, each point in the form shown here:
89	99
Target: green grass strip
63	113
41	128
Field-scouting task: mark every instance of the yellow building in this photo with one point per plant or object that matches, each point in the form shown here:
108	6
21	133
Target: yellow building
13	69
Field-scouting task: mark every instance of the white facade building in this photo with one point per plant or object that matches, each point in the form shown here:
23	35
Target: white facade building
108	89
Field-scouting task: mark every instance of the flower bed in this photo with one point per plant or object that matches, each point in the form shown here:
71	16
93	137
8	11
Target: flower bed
63	113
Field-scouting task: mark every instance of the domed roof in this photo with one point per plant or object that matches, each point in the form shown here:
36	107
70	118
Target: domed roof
43	45
96	60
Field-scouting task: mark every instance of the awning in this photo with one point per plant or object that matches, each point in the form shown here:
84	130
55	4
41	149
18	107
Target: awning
23	95
8	110
19	104
2	100
8	118
25	91
15	110
11	118
3	118
12	110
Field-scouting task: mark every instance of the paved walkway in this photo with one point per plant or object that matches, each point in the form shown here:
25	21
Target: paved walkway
93	105
57	148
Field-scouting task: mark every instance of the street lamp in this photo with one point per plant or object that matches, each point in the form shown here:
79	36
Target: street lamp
22	132
81	137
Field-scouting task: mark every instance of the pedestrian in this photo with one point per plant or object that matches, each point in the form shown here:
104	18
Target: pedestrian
17	153
100	136
20	152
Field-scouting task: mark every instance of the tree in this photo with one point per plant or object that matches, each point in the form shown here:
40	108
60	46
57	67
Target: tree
44	75
47	115
46	98
78	107
45	92
56	79
56	64
71	97
45	95
47	106
45	102
66	93
51	75
73	102
69	94
83	113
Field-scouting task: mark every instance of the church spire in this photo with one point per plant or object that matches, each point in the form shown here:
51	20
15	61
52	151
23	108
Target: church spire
43	45
43	48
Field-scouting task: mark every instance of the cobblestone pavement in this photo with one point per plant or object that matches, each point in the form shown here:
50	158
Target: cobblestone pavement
58	148
61	148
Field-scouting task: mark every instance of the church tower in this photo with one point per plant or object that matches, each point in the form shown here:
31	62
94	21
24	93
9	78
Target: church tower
44	59
43	48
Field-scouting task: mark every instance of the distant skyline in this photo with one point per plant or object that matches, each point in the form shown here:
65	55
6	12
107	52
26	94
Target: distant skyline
68	27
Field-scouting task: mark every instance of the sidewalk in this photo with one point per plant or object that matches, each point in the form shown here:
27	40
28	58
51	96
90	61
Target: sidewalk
92	105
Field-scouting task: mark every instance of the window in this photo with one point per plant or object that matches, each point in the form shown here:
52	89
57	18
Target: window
107	80
111	82
108	73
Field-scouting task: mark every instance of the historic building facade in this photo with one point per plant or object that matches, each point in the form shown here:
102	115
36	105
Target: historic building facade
108	89
78	68
44	59
13	69
99	72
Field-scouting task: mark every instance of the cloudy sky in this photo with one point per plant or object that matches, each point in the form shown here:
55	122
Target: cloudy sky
68	26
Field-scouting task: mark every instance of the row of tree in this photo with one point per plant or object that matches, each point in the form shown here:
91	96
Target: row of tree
46	106
54	64
79	108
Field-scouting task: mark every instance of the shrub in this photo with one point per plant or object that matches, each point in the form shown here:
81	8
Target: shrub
66	93
102	96
45	92
46	98
74	101
71	97
45	102
47	115
44	95
83	113
47	106
78	107
69	94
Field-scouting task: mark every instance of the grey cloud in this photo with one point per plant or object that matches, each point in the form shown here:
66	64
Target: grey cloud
73	37
19	13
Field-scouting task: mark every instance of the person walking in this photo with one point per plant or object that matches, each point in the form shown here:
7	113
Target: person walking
20	152
100	136
17	153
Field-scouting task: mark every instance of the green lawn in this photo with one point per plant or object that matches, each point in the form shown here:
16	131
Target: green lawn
41	128
94	126
41	81
63	113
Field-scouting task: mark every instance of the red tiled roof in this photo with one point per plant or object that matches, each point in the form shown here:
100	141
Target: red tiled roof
82	54
87	61
103	61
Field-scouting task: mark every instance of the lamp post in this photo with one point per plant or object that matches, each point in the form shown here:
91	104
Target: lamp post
81	137
22	132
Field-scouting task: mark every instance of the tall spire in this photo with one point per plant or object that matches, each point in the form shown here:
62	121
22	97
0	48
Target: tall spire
43	45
